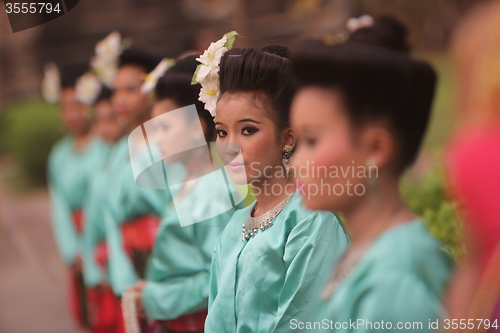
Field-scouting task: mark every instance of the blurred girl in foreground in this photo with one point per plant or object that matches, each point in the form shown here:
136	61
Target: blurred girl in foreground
364	109
474	168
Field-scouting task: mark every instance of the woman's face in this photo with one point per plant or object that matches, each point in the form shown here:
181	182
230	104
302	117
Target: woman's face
328	160
74	114
128	102
107	125
247	138
171	131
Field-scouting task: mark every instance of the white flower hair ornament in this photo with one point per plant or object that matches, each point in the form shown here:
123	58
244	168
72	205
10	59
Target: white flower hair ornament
364	21
51	83
207	73
105	63
88	87
151	79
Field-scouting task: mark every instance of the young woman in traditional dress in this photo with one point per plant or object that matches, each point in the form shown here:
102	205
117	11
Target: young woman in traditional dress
131	212
270	272
175	291
104	314
364	109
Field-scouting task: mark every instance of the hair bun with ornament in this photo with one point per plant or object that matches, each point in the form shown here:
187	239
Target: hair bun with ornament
386	32
207	73
152	78
107	55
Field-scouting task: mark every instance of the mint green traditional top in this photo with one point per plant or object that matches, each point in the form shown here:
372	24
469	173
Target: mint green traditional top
94	228
261	284
179	271
126	202
69	173
400	280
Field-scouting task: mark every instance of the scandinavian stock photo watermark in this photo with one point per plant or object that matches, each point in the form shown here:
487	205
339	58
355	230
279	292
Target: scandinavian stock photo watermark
161	148
348	180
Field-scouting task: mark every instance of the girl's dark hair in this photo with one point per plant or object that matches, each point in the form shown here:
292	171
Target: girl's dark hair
136	57
176	85
387	31
377	84
104	95
70	73
266	71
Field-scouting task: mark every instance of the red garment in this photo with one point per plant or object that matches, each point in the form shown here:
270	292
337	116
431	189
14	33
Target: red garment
188	323
120	322
140	233
103	313
474	168
101	254
77	294
78	220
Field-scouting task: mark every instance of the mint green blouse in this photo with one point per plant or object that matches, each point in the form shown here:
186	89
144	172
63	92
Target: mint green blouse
125	202
259	285
94	230
69	173
179	271
400	280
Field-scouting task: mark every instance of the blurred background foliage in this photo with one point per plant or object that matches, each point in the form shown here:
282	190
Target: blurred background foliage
427	196
28	130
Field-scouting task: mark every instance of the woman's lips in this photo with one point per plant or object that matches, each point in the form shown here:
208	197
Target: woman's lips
235	166
122	112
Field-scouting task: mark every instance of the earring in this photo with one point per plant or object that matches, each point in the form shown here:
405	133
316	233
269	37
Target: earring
287	154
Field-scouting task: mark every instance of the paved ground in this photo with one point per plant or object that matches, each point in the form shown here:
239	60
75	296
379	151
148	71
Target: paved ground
32	278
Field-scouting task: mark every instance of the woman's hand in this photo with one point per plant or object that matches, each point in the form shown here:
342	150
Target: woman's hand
138	288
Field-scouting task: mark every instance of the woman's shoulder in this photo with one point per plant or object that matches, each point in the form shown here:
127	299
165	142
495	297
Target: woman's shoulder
410	251
411	243
60	151
63	144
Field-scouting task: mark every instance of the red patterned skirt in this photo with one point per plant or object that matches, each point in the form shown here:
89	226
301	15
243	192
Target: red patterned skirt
194	322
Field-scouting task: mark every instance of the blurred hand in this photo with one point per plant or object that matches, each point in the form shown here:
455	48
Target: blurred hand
138	288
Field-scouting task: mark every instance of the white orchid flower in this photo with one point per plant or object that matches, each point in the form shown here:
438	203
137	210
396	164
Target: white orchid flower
105	70
152	78
51	84
207	72
209	94
110	47
210	59
87	88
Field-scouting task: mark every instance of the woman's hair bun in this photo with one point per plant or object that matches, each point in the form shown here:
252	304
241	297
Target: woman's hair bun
278	50
386	31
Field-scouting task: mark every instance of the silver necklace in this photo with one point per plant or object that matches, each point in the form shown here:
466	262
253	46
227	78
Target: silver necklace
254	224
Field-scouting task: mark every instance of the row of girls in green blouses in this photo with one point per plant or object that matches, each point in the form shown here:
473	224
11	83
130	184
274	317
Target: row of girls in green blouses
132	228
174	246
174	281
